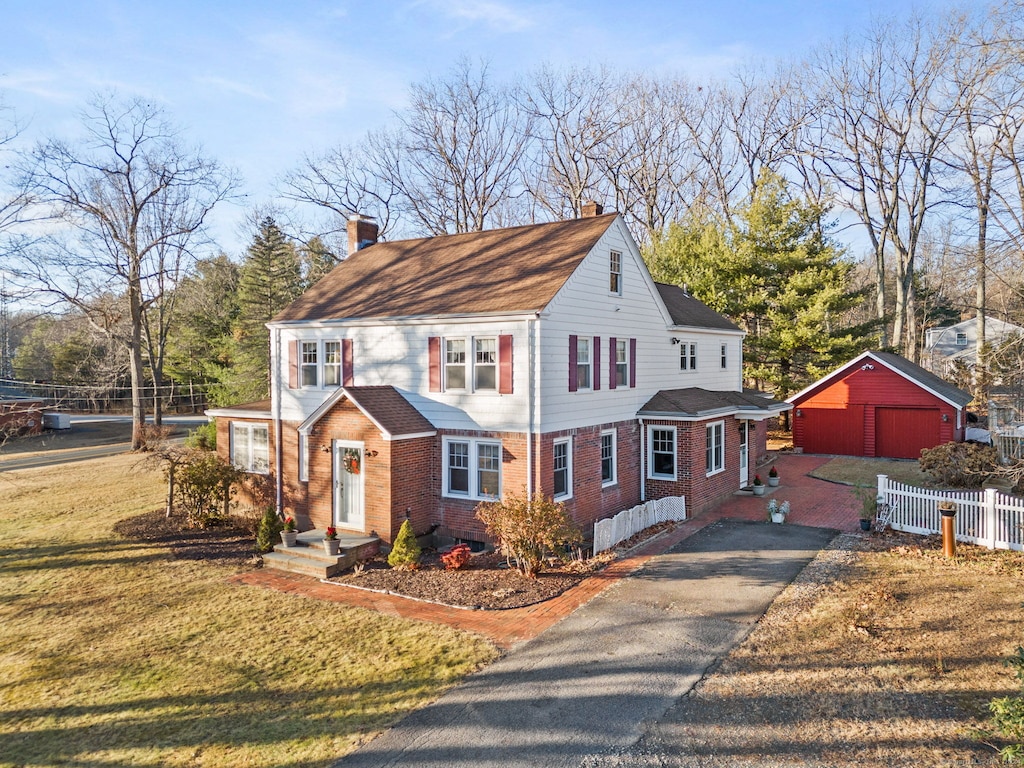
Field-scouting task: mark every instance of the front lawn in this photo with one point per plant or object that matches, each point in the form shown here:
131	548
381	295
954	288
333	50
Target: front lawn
112	652
855	470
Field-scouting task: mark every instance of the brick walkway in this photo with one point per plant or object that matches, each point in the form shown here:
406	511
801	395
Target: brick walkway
815	503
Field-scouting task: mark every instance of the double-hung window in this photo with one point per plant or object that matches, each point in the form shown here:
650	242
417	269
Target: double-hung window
309	364
725	356
472	468
622	362
485	364
715	450
562	468
608	449
250	447
615	273
582	363
961	339
661	457
455	364
332	363
688	356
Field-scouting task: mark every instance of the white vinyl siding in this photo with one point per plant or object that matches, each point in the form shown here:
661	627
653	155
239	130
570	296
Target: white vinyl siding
472	468
661	453
250	447
715	448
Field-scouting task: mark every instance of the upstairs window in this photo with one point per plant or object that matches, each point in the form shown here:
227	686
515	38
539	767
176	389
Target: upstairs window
582	363
621	363
455	364
485	364
615	273
309	364
332	363
725	356
961	339
688	356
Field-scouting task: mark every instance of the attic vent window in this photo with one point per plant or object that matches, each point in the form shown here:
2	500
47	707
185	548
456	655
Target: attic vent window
961	339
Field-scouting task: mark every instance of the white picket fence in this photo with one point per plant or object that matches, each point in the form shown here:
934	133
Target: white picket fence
986	517
612	530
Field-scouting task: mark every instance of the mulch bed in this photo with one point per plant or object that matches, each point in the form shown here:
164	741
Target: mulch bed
230	544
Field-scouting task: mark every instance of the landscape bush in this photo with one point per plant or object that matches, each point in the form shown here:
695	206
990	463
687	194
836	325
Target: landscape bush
960	465
203	437
204	487
456	557
269	531
405	551
528	530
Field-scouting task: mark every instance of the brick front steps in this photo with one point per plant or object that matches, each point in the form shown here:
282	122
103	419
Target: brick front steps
308	556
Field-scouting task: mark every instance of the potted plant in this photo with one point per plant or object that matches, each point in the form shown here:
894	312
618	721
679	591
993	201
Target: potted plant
758	486
777	512
289	534
868	507
331	544
773	476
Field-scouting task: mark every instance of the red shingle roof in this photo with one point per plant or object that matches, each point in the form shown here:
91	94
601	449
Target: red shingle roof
519	269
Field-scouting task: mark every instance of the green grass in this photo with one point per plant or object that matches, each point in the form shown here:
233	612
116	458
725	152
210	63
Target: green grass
864	471
113	653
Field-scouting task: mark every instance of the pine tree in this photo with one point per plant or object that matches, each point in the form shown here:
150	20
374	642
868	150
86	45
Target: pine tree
405	551
269	280
317	261
776	273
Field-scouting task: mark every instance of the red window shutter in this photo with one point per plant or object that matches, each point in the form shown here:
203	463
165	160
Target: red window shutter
347	371
505	365
632	363
293	364
597	363
611	363
434	355
572	363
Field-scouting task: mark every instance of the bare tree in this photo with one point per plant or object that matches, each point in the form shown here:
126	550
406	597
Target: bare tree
128	194
457	153
573	122
884	116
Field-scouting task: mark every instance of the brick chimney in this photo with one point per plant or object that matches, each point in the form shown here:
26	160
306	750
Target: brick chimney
591	209
362	231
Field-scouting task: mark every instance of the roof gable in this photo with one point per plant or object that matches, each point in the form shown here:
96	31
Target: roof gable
518	269
900	365
383	405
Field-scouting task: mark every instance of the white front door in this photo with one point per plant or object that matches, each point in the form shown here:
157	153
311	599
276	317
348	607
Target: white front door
744	454
348	484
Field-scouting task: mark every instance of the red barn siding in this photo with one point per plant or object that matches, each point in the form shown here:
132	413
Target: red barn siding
872	412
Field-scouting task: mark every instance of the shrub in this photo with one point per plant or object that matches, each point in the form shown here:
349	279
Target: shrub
269	531
154	436
203	437
960	465
1008	714
456	557
405	551
204	486
528	530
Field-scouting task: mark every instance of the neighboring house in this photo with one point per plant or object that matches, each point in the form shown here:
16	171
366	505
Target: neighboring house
878	404
421	377
944	347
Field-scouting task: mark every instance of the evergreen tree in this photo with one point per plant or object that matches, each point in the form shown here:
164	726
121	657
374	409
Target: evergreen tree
269	280
776	273
317	261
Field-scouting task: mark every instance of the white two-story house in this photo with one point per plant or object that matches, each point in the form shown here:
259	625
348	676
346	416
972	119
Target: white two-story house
421	377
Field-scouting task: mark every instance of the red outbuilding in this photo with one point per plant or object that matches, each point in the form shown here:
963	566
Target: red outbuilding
878	404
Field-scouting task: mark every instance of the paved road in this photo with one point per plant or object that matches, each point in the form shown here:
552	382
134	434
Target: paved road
582	693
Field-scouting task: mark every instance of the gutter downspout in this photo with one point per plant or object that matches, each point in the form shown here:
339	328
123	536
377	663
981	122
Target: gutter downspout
643	457
532	378
276	373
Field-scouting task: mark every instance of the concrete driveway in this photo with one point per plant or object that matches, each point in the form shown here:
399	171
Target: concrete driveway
582	692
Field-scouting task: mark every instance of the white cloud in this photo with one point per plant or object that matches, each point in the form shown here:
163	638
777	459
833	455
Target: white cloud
494	14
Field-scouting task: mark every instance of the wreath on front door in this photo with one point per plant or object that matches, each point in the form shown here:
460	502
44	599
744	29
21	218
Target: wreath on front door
351	461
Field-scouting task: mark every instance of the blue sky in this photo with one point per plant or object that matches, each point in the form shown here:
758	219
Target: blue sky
260	83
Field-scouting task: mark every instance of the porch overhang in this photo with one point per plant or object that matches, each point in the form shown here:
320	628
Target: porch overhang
696	404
